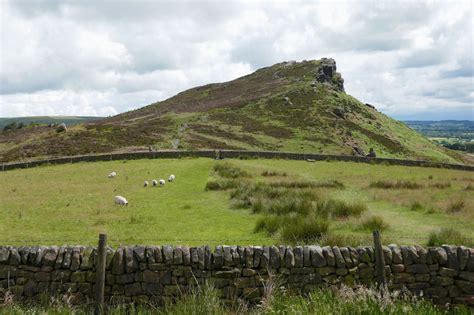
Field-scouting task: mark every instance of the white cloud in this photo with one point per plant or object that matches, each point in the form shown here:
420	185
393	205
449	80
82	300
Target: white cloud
104	57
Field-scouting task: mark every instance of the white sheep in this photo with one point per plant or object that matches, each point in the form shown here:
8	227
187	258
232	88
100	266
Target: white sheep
112	175
171	178
162	182
145	183
121	201
154	182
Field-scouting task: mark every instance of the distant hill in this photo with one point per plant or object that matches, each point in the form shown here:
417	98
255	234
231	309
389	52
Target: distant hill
290	106
462	129
68	120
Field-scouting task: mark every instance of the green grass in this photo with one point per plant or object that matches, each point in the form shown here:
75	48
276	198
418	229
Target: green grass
71	204
205	300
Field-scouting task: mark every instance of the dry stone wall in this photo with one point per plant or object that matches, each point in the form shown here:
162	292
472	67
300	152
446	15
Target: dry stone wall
230	154
153	273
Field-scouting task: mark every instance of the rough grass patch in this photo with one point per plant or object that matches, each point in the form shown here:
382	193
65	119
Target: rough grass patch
401	184
469	187
456	206
339	209
227	170
374	223
449	236
416	206
301	229
440	185
268	173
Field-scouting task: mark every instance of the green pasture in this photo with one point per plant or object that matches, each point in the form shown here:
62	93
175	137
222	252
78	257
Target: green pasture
72	203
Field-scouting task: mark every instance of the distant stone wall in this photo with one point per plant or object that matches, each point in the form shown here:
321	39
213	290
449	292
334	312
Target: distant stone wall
230	154
153	273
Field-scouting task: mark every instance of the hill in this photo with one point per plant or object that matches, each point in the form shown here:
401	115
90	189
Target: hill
290	106
46	120
461	129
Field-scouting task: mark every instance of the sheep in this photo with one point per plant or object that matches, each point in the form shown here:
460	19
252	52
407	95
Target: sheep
145	183
171	178
112	175
121	201
154	182
162	182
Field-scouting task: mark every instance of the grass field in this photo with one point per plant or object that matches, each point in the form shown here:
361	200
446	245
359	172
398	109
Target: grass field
73	203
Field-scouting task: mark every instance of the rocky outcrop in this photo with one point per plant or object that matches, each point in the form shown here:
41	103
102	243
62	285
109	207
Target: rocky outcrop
326	74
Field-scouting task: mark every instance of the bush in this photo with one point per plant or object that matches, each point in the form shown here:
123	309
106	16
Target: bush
403	184
456	206
304	229
373	223
447	236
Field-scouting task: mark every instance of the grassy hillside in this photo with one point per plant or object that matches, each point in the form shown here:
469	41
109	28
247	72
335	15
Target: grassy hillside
77	202
298	107
46	120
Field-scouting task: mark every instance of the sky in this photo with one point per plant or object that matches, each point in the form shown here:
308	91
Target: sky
411	59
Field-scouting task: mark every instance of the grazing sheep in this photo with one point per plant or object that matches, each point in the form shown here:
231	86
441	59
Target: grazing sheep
112	175
154	182
145	183
162	182
171	178
121	201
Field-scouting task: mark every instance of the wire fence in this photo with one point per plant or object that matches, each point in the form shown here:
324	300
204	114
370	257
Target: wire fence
351	239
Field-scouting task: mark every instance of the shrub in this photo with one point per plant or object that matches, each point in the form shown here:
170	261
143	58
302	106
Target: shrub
373	223
456	206
447	236
416	206
395	185
303	229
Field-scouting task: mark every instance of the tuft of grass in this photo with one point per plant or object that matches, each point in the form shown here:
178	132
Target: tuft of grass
221	184
339	209
469	187
416	206
445	236
307	184
441	185
227	170
401	184
456	206
269	224
373	223
267	173
304	229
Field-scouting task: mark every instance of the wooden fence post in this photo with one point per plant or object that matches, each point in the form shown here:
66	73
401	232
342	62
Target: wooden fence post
100	273
379	261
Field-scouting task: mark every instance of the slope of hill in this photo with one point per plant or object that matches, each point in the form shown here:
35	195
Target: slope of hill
290	106
69	120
